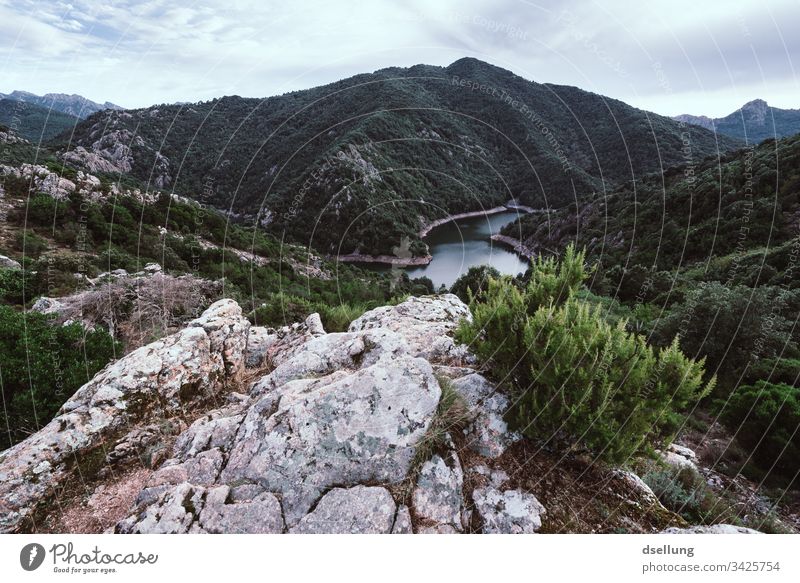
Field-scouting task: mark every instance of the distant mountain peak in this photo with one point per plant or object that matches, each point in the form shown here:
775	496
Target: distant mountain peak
755	121
71	104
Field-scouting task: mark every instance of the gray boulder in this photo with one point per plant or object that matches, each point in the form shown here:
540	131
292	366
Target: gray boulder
340	429
427	324
8	263
509	512
438	493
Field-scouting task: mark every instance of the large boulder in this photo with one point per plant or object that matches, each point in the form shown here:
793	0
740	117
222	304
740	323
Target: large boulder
340	429
343	411
427	324
179	372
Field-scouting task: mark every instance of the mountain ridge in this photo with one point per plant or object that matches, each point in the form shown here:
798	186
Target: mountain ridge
70	104
755	121
360	163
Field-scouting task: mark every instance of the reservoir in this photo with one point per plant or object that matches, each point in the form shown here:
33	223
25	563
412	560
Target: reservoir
458	245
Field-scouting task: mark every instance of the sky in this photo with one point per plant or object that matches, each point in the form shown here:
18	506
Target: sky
671	57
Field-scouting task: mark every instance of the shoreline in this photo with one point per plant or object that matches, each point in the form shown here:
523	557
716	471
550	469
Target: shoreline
384	259
439	222
425	260
518	246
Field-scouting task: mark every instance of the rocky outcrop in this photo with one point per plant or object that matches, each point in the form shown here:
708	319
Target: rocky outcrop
426	323
159	380
679	457
291	430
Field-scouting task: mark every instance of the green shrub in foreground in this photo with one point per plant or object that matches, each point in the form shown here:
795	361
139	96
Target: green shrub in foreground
574	374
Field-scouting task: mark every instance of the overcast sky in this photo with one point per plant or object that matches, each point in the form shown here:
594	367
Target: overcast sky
671	56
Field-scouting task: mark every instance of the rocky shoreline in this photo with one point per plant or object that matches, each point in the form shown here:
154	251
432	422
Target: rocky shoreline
518	246
425	260
439	222
385	259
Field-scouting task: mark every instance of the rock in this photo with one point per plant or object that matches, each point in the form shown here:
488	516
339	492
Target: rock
314	325
332	427
402	521
679	457
173	513
317	356
45	305
259	342
8	263
357	510
509	512
712	529
437	495
151	268
488	433
158	380
260	515
427	323
437	529
637	485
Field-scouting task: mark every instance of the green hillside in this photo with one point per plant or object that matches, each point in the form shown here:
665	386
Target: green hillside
357	163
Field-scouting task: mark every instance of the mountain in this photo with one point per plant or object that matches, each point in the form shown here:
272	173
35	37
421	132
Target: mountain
755	122
363	162
74	105
705	207
34	122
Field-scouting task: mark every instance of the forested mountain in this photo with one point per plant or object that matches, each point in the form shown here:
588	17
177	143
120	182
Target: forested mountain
755	121
74	105
357	164
33	122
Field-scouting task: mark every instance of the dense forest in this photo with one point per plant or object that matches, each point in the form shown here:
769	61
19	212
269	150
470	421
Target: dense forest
354	165
34	122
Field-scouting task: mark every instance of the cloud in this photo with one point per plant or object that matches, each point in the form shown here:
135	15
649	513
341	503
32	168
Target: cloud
705	58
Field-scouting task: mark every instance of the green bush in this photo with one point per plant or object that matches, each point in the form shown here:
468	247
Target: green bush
42	366
571	372
12	286
766	418
474	282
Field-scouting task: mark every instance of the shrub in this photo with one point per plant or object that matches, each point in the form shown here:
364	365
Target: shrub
12	286
474	282
571	372
766	418
42	365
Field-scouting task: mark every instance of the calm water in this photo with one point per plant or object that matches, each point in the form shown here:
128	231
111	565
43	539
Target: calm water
459	245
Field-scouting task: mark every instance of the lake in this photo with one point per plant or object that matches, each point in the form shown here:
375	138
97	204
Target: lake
458	245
